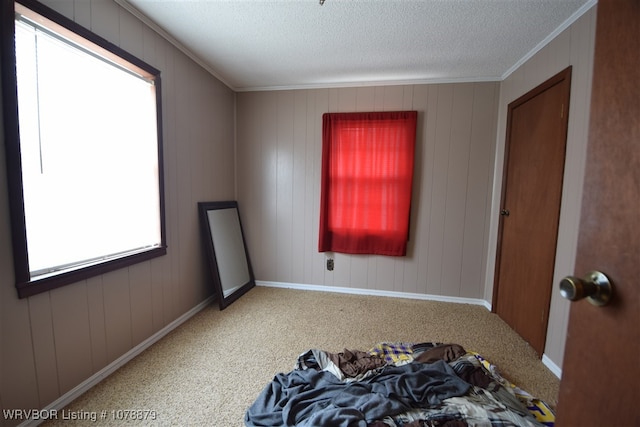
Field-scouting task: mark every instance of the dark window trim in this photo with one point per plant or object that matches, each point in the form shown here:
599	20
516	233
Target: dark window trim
25	286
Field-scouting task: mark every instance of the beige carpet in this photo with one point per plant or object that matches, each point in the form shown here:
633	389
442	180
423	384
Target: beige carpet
211	368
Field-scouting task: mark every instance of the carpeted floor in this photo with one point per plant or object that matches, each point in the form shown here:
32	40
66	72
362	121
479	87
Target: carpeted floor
210	369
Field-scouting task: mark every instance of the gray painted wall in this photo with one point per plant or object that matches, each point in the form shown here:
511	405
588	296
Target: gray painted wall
53	341
279	149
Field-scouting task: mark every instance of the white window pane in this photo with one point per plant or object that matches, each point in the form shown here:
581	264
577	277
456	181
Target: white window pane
89	154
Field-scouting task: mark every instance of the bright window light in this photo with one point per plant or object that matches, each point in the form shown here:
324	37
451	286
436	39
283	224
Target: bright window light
89	152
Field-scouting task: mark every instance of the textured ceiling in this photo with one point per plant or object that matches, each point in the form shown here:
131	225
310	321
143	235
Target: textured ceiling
275	44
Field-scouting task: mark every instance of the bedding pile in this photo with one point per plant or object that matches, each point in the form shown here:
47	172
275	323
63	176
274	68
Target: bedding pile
396	385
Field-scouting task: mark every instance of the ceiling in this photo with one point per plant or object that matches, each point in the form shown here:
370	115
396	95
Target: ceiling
279	44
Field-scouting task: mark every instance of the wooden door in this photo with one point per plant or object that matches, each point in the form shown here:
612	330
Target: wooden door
531	194
600	383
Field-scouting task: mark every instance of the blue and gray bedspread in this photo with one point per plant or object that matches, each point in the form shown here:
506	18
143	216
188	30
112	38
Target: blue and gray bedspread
317	398
395	385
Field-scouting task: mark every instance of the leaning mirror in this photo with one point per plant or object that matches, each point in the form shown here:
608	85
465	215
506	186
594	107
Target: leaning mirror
226	250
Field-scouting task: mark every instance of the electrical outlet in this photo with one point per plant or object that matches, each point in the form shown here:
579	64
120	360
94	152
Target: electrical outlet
330	264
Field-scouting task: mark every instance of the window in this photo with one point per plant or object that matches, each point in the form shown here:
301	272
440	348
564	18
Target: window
367	172
83	140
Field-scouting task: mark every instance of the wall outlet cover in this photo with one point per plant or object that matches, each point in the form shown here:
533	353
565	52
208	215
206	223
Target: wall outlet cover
330	264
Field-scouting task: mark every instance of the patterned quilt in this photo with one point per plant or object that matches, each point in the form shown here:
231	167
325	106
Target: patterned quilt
396	385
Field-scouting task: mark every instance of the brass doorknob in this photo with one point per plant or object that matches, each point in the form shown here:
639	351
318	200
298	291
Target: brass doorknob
595	286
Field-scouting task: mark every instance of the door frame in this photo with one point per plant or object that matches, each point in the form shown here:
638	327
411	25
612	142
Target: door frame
563	75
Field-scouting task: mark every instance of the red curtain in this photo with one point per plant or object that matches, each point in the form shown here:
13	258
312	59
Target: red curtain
367	171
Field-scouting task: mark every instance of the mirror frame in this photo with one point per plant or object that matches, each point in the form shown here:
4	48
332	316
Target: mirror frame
204	208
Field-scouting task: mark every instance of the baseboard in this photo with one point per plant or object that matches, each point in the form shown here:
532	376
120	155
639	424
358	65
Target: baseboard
374	292
552	366
83	387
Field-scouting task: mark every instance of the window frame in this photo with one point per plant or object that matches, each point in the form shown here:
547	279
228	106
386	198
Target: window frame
26	286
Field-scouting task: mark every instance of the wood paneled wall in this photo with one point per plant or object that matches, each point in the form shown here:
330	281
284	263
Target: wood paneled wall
575	47
457	182
53	341
279	150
